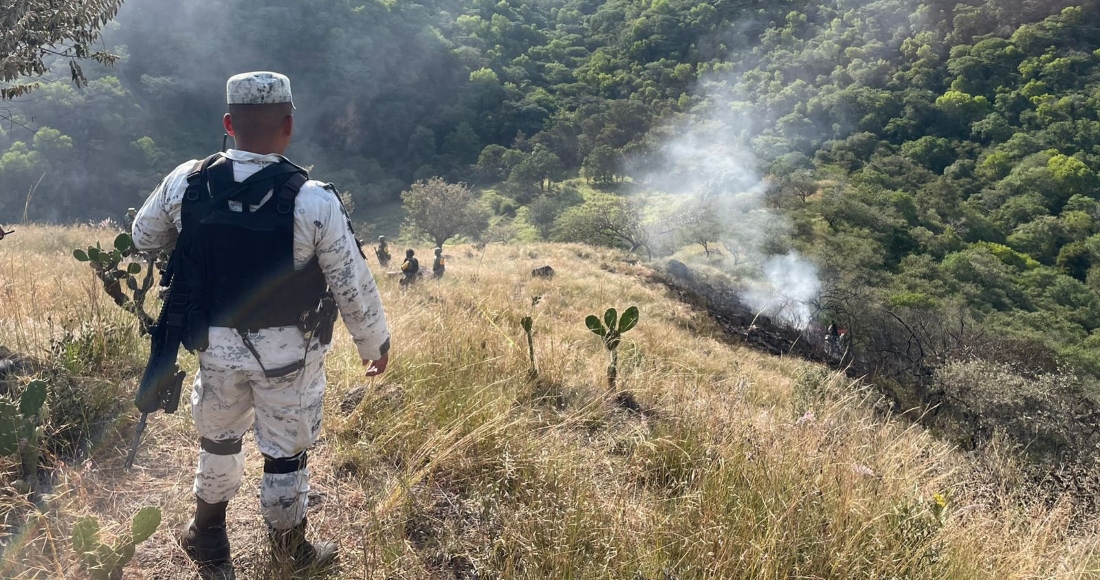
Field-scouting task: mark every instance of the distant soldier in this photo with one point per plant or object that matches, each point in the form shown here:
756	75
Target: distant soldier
831	336
382	251
128	221
440	263
410	268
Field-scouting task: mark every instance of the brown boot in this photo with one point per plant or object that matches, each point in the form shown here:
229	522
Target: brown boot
204	539
290	546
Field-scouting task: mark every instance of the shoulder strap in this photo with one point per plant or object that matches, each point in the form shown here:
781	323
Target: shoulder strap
284	200
200	166
216	168
198	189
219	168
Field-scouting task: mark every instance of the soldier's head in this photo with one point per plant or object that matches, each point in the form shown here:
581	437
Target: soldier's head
261	112
438	251
409	253
381	238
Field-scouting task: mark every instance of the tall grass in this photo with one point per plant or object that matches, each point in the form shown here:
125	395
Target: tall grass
56	314
458	464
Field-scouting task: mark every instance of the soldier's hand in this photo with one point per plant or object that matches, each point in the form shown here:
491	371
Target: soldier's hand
377	367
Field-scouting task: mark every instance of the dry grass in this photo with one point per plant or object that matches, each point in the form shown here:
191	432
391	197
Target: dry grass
457	465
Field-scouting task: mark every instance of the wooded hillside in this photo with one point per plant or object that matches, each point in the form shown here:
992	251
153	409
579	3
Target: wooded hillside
934	157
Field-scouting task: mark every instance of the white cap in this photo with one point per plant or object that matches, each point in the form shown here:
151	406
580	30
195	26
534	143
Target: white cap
258	88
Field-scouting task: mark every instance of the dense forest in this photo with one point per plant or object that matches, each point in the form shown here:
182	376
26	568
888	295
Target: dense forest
930	157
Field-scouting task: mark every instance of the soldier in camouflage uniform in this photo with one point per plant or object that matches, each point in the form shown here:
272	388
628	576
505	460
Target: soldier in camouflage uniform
410	268
235	390
382	251
439	265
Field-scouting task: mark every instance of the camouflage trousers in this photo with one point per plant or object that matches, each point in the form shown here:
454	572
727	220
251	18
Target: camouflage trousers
230	397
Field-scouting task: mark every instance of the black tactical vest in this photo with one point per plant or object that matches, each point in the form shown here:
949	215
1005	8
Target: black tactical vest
238	260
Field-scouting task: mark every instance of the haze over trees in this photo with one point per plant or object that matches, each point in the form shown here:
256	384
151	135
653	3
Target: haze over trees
933	156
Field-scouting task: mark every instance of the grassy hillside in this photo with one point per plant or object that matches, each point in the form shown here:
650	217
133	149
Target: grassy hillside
456	464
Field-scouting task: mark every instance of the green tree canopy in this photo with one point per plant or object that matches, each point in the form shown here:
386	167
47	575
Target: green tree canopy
439	210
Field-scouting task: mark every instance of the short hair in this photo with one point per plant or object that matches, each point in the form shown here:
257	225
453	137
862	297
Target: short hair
259	121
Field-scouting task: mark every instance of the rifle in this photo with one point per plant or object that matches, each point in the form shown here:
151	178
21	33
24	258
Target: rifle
162	380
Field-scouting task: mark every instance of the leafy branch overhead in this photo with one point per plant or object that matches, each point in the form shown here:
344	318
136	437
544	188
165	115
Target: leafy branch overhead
37	29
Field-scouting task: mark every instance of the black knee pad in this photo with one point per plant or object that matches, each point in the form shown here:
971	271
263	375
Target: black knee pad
221	446
282	465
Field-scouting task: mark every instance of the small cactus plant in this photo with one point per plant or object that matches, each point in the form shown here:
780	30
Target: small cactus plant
19	428
611	330
105	561
528	324
114	269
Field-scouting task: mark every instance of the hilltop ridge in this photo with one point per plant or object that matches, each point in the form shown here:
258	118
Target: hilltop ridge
458	464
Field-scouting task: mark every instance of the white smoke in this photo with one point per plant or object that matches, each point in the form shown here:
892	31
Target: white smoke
708	166
790	287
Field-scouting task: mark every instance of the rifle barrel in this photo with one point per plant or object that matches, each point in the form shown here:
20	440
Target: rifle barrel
137	441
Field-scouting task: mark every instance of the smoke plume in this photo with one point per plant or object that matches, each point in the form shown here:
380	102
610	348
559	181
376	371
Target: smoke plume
719	196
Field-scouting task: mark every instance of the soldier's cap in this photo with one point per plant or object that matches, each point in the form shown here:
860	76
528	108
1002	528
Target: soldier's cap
380	238
258	88
439	250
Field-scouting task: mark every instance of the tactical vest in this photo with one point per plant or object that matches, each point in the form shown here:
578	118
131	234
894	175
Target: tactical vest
238	249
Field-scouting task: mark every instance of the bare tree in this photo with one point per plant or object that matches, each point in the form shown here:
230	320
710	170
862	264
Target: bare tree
439	210
702	224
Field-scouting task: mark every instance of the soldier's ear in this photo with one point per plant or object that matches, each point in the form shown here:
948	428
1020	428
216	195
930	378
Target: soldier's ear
227	122
288	125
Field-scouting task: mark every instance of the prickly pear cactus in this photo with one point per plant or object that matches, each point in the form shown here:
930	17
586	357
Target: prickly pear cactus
30	406
10	423
611	330
32	399
19	430
528	324
86	538
104	561
122	264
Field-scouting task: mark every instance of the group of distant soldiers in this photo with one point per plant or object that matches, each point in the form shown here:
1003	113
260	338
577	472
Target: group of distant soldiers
410	268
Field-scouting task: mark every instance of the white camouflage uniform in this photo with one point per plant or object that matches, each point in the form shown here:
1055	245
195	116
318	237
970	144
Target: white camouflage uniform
231	393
